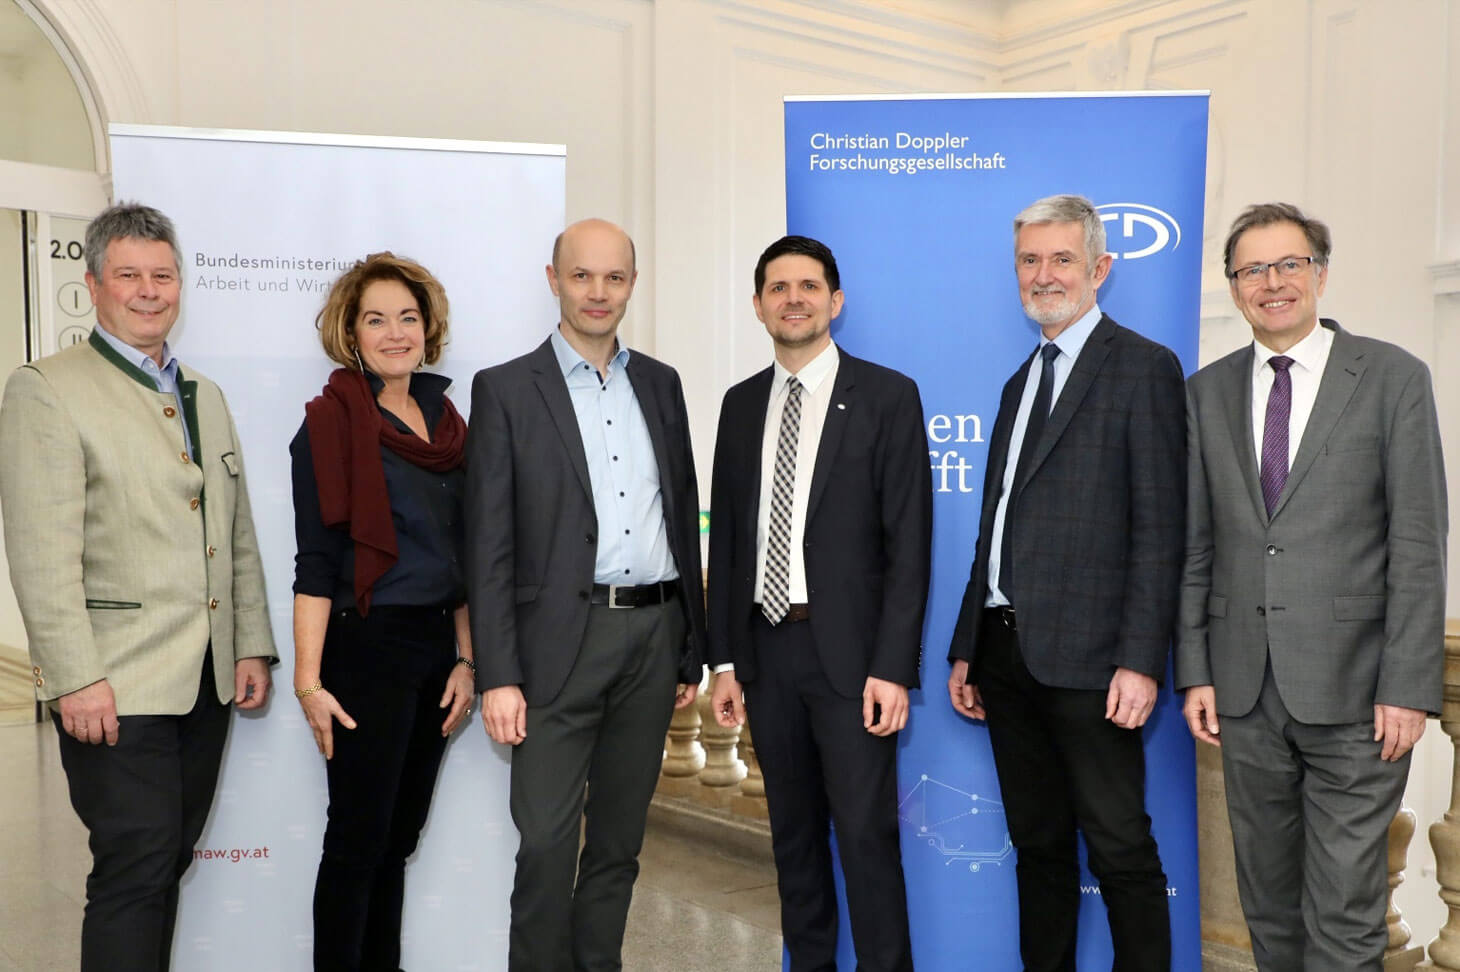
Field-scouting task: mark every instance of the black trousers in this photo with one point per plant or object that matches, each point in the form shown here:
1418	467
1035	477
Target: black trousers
605	730
1062	765
388	671
822	768
144	802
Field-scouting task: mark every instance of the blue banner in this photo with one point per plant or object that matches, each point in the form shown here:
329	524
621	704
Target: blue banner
916	197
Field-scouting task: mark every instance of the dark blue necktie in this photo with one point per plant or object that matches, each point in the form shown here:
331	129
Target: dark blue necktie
1038	415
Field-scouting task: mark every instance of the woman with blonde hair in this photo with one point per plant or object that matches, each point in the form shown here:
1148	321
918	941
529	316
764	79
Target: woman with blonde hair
382	649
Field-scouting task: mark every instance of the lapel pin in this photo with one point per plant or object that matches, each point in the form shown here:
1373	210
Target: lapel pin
841	406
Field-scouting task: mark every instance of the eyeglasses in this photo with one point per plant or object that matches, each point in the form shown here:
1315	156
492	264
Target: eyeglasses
1286	267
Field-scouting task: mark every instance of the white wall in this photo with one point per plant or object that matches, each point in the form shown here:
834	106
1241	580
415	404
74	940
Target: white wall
671	113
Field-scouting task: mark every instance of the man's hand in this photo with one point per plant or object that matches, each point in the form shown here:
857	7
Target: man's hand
1131	698
684	694
891	698
89	714
1200	709
251	681
504	713
727	699
963	694
1399	729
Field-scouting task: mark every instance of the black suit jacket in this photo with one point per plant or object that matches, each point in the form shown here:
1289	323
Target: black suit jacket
1098	520
868	527
532	533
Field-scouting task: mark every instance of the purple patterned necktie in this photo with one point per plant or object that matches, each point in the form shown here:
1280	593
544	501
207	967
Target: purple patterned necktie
1274	475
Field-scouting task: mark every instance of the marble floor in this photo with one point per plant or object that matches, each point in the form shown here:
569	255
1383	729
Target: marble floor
693	909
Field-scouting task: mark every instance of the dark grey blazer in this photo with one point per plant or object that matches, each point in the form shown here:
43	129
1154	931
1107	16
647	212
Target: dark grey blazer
532	533
1344	587
1097	520
868	527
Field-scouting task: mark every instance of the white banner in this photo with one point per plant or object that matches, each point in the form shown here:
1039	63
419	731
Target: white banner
266	222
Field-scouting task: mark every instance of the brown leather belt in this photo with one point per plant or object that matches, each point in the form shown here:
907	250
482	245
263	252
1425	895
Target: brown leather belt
794	612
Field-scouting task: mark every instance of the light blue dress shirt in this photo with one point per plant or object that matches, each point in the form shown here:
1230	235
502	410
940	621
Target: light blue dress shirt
165	377
633	547
1070	341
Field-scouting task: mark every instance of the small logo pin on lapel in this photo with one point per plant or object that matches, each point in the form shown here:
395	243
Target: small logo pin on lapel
841	406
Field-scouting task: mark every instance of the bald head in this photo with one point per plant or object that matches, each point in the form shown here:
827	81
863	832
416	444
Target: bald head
593	232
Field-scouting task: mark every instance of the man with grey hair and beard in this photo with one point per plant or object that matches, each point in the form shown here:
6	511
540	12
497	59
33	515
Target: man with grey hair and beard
133	559
1067	618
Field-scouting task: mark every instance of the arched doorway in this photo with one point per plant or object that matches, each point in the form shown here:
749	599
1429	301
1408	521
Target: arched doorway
53	165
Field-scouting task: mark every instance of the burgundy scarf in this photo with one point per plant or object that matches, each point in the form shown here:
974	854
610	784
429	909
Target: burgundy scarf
346	431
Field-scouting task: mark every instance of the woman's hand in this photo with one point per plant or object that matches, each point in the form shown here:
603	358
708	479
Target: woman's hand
322	711
460	689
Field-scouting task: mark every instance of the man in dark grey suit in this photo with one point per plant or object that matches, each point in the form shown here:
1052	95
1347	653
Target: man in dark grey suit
1312	605
585	594
1067	617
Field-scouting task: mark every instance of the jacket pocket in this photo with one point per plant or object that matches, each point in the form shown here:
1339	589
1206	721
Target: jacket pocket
526	593
1360	607
1217	605
97	604
230	461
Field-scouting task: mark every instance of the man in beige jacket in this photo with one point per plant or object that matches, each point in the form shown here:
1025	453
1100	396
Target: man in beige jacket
133	558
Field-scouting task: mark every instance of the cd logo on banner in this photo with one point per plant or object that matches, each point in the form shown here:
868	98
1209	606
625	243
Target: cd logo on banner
1137	231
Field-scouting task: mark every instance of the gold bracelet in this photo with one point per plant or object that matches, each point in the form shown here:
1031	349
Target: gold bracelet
316	687
463	660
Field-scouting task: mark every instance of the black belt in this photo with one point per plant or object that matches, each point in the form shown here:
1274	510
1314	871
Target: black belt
633	595
1003	614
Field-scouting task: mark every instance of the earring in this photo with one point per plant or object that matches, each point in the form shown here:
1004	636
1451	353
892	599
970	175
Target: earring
356	349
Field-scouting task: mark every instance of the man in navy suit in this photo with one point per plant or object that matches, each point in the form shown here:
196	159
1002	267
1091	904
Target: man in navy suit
820	533
1069	609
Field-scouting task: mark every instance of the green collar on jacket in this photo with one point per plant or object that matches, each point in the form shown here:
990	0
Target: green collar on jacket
188	389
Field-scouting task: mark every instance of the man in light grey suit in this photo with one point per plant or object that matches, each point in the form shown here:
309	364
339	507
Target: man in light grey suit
133	558
1312	607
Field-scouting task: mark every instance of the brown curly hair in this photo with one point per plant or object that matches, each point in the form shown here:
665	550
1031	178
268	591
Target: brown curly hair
336	320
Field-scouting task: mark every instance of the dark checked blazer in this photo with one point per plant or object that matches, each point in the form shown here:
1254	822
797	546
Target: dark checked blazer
1097	531
868	529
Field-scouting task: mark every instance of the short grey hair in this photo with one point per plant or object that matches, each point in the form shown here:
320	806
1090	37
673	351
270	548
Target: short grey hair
1320	241
1066	209
127	220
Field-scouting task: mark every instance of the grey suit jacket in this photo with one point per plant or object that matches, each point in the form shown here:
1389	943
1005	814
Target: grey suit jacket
1097	518
532	533
128	554
1344	586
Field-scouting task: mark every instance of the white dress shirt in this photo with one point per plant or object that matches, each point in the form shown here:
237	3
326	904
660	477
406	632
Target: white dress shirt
1070	342
818	380
1310	356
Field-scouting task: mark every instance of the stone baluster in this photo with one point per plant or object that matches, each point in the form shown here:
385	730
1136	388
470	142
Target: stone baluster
1444	951
684	756
723	768
750	801
1400	956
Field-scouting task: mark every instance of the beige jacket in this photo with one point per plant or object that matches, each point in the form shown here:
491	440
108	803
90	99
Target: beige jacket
128	555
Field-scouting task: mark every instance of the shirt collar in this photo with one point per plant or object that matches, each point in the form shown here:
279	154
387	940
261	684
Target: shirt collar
813	373
1310	353
1072	339
140	359
568	359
